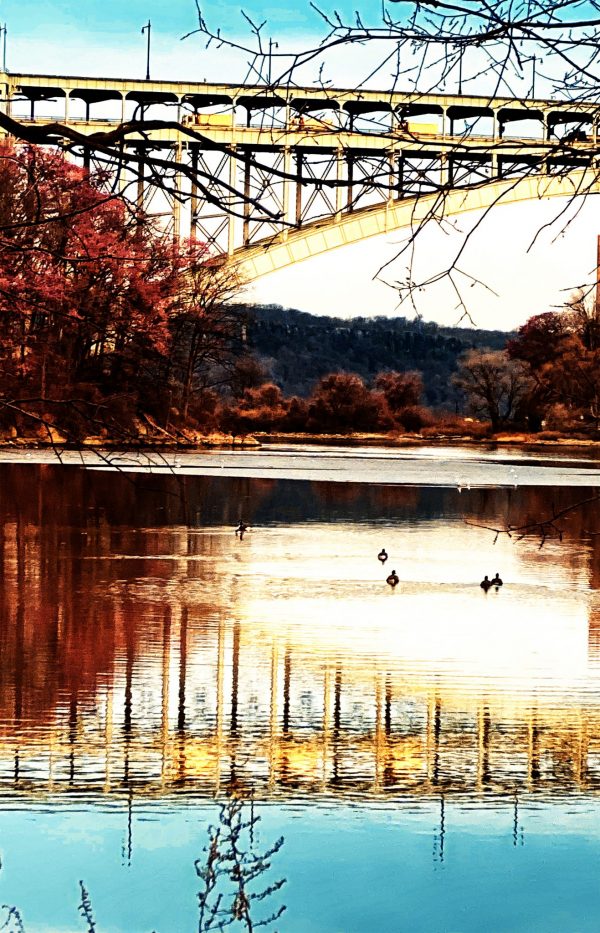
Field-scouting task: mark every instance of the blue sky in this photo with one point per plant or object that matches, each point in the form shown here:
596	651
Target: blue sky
52	33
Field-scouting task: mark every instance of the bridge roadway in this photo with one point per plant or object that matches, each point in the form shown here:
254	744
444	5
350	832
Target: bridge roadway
284	172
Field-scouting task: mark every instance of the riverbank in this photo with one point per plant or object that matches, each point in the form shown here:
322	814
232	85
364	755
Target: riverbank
515	439
194	440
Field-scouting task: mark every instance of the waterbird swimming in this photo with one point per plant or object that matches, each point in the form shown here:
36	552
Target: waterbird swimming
496	581
241	529
393	579
485	583
383	555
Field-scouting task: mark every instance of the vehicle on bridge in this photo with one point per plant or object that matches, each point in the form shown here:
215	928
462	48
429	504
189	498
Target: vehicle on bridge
575	136
302	124
208	121
410	128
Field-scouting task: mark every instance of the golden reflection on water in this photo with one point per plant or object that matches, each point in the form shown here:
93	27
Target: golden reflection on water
171	657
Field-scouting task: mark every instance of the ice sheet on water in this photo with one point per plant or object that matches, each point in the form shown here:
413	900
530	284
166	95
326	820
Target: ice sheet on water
457	467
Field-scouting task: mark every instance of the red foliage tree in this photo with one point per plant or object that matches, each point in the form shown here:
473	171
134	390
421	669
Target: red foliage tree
562	350
92	299
263	408
401	390
540	339
341	403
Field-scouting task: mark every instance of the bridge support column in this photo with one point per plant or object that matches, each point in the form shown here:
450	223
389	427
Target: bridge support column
339	191
546	127
67	102
350	197
287	171
392	180
444	122
444	171
299	164
140	180
122	173
497	125
246	224
177	193
391	192
232	186
194	193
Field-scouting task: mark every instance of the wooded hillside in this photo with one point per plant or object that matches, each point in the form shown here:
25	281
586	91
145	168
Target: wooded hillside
298	349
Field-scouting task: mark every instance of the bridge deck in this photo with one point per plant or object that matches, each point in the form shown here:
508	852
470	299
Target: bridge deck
244	165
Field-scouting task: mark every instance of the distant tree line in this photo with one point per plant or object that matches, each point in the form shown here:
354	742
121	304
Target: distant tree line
340	403
547	378
297	349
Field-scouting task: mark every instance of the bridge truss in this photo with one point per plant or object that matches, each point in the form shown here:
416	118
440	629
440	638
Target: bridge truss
285	171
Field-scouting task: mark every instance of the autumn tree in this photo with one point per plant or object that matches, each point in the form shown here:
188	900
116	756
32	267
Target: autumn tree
206	332
401	390
248	373
562	353
92	300
539	340
262	408
494	384
341	402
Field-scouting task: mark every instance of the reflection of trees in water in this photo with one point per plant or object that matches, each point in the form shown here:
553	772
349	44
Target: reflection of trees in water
367	499
530	505
114	503
110	504
91	613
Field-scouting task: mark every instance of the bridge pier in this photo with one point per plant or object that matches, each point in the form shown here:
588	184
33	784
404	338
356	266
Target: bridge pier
193	150
140	180
299	166
246	206
350	179
232	187
444	171
339	191
287	170
177	192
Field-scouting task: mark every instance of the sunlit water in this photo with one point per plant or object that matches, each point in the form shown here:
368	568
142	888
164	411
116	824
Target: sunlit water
430	754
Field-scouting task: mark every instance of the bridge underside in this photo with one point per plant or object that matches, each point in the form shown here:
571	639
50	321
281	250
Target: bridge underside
269	176
297	245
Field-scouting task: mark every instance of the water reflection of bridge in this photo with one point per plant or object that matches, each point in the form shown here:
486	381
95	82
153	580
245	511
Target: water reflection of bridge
203	722
154	659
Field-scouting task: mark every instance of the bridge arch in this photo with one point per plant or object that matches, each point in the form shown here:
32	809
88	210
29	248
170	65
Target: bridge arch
297	245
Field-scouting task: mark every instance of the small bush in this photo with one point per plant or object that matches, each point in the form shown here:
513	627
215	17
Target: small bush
562	419
415	418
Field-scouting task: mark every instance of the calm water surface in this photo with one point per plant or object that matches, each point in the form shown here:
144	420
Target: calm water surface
431	755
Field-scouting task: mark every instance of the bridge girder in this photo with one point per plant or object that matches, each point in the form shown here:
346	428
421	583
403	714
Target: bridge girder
301	175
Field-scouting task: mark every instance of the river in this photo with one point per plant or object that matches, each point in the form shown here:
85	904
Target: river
430	754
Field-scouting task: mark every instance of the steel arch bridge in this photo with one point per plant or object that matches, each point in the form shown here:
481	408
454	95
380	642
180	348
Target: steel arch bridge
327	234
269	176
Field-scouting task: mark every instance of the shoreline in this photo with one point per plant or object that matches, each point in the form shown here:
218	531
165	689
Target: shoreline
256	441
